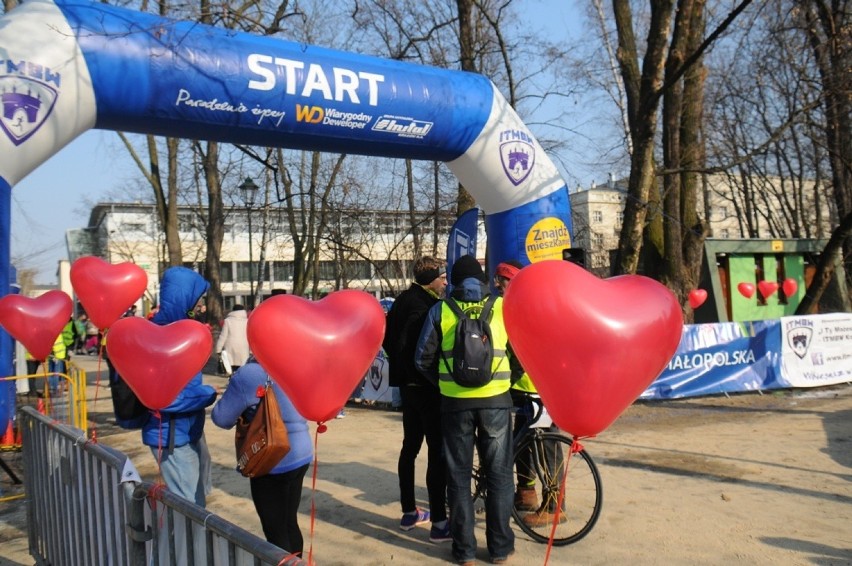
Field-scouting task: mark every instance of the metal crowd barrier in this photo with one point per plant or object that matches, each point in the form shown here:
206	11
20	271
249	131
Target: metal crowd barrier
87	506
66	404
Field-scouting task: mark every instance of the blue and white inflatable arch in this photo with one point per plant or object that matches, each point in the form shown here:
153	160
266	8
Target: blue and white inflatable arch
71	65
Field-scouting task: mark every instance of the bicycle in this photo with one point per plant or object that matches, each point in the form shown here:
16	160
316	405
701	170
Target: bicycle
583	496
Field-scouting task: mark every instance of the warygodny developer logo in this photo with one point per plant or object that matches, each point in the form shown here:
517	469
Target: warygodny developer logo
28	93
517	154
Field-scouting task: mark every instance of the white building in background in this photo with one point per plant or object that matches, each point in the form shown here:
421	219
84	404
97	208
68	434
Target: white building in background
368	250
597	214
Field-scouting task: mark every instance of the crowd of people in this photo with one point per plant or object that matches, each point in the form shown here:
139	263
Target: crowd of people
453	419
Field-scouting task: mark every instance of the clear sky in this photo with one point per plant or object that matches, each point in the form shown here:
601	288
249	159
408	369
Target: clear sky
59	194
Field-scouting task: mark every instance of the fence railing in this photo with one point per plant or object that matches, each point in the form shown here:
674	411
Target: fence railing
87	505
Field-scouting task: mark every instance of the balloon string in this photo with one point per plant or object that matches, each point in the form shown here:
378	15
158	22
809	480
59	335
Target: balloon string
159	417
320	429
97	387
575	447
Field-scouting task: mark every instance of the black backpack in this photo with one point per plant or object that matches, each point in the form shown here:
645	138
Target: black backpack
473	346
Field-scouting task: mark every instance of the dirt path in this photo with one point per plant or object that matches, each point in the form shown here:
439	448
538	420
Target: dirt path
751	479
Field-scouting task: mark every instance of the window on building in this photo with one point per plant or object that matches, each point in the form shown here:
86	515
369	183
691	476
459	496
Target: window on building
248	272
282	271
226	272
131	227
597	241
326	270
619	218
724	233
597	216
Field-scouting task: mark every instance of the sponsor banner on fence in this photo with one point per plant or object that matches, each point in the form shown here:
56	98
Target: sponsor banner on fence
815	350
721	358
377	381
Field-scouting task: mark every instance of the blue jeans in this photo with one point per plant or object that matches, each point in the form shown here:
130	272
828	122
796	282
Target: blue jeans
490	431
186	470
55	367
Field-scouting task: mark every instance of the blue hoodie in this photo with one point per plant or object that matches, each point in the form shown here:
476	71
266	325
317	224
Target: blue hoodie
180	290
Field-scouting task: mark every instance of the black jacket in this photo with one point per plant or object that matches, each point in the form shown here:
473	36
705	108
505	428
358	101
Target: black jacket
404	322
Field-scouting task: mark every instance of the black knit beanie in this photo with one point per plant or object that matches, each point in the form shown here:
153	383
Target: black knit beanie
464	267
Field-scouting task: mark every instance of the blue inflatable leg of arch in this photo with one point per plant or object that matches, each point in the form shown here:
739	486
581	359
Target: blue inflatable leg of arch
72	65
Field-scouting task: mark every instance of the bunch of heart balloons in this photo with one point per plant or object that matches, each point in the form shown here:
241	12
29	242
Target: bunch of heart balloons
316	351
768	288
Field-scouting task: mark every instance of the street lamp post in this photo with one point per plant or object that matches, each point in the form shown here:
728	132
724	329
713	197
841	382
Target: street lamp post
249	189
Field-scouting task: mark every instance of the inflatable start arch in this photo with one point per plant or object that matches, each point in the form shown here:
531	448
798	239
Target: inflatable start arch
70	65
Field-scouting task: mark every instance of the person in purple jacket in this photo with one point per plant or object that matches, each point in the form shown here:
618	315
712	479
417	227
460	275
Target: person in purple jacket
276	496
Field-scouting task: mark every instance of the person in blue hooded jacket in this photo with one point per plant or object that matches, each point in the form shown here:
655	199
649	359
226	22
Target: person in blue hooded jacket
176	433
276	495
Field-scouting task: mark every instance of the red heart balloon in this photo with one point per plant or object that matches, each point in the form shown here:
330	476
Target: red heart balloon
790	286
767	288
746	290
697	298
105	290
158	361
317	351
591	346
36	323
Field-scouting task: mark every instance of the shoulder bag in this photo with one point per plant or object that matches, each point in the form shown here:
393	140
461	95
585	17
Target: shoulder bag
262	441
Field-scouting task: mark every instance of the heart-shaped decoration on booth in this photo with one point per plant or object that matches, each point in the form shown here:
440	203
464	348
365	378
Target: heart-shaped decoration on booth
746	289
158	361
697	297
105	290
317	351
591	346
790	286
36	322
767	288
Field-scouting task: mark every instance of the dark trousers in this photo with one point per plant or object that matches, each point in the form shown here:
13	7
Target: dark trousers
276	499
421	418
489	431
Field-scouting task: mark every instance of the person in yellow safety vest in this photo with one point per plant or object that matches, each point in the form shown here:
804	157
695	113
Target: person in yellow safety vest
56	362
523	393
476	416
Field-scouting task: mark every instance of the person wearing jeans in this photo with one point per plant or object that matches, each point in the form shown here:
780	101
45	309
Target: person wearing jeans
421	399
476	417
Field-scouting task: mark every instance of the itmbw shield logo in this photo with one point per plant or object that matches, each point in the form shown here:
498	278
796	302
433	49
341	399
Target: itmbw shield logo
518	158
799	340
26	105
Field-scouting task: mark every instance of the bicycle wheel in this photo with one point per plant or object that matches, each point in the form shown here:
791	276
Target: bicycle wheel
583	490
478	485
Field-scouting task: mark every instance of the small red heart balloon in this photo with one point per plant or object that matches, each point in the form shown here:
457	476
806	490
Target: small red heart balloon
105	290
767	288
746	290
790	286
697	298
158	361
591	346
37	322
317	351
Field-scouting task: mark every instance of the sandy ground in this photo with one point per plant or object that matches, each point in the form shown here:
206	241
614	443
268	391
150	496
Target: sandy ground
747	479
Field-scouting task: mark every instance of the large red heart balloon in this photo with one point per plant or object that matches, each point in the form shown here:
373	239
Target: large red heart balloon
36	323
105	290
746	290
697	298
317	351
591	346
790	286
158	361
767	288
